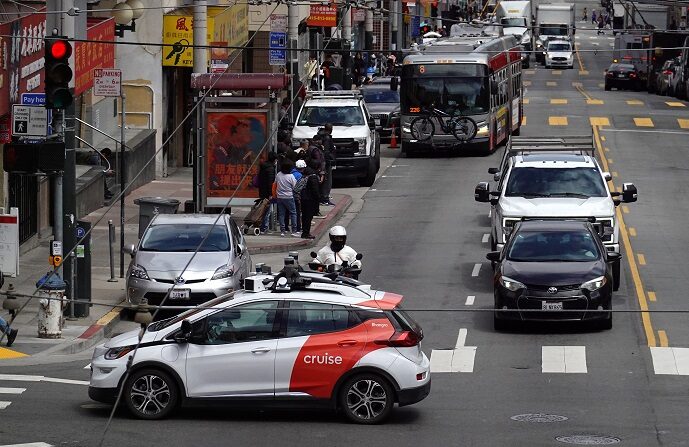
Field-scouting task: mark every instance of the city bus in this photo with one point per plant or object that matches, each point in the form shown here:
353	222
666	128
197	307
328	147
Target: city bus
475	75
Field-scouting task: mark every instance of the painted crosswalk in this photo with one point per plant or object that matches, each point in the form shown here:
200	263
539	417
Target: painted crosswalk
458	359
30	444
5	392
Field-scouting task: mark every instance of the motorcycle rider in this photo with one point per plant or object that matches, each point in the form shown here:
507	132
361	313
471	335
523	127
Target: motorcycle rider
338	250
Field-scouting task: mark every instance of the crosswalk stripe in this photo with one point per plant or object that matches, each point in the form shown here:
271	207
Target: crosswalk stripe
563	359
595	102
4	404
644	122
551	83
599	121
670	361
459	359
556	72
675	104
30	444
12	390
683	123
583	72
557	120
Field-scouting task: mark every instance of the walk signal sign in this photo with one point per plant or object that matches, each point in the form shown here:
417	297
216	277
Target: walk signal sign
58	73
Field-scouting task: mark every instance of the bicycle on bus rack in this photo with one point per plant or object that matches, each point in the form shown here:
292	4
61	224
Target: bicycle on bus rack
463	128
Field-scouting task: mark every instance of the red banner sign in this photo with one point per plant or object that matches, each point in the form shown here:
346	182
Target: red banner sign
322	16
91	55
26	56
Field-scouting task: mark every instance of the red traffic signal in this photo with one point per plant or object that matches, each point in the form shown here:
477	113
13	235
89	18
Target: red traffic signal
58	73
60	49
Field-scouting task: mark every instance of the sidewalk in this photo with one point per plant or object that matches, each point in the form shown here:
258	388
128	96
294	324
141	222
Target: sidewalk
83	333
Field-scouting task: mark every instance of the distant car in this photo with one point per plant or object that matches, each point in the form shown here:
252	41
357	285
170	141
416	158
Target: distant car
549	266
384	105
623	76
668	78
162	258
559	54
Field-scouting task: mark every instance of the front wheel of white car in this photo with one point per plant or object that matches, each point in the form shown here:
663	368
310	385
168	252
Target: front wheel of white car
367	399
150	394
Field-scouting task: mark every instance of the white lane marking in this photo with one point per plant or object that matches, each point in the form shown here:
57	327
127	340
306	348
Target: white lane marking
25	378
563	359
85	367
399	166
372	189
670	361
393	176
490	212
459	359
30	444
476	270
470	300
12	390
485	238
4	404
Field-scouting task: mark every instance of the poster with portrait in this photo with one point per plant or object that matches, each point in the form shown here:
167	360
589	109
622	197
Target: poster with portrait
234	139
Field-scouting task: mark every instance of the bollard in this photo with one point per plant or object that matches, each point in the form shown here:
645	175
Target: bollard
111	240
50	304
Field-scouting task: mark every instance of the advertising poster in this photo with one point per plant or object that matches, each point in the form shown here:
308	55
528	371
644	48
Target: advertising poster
233	141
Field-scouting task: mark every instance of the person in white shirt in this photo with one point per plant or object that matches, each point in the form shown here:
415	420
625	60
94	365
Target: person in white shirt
338	251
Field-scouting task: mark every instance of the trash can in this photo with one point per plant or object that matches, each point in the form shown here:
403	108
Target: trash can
150	206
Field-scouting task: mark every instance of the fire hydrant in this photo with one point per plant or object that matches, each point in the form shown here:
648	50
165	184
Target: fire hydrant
51	292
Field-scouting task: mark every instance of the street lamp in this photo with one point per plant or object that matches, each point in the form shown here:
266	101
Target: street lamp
127	12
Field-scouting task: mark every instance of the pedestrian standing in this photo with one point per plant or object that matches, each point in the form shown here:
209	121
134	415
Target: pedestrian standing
594	17
586	15
358	70
296	172
330	161
5	329
266	178
601	24
284	191
310	195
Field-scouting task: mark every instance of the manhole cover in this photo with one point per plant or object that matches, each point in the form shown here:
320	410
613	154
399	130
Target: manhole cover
588	440
538	417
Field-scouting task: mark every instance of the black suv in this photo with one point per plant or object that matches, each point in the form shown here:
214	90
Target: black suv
553	270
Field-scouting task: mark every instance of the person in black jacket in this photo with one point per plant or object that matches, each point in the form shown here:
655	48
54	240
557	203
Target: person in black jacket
266	177
310	196
330	160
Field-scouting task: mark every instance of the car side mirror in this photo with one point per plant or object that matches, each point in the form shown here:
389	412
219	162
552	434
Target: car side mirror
130	249
394	83
613	256
493	170
184	334
482	192
313	254
607	176
629	193
493	256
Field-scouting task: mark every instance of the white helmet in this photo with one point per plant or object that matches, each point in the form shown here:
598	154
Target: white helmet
338	230
301	164
338	238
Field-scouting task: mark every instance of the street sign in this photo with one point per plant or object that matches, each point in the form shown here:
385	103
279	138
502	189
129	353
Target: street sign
277	54
55	248
9	243
38	99
29	121
107	82
278	23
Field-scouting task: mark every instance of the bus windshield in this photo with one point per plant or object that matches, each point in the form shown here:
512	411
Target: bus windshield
468	94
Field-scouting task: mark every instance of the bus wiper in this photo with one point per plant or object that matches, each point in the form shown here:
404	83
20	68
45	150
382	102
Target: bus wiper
570	194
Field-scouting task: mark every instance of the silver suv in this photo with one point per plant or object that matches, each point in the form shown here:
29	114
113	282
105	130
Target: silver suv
159	260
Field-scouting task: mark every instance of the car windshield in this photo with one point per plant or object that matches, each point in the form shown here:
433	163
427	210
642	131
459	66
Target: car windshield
513	21
553	246
555	182
372	96
469	95
337	116
553	30
559	47
185	238
162	324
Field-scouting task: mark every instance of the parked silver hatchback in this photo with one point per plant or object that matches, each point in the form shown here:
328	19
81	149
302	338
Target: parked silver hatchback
166	247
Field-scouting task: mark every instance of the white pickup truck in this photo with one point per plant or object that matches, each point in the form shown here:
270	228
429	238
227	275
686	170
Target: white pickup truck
553	178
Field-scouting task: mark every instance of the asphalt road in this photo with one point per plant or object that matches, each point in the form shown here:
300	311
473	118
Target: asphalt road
423	234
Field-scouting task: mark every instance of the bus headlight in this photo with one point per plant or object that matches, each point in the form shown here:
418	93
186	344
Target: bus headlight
482	130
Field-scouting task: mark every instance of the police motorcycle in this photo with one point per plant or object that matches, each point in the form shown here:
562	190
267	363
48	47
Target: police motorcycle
344	269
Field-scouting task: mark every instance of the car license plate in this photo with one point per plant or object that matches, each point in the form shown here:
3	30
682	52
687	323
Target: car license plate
620	75
179	294
545	305
377	120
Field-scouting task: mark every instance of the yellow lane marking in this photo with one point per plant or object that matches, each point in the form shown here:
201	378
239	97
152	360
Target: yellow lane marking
581	64
642	259
602	138
609	160
107	318
526	100
662	336
607	149
577	84
583	72
635	102
556	72
675	104
551	83
595	102
632	231
557	120
558	101
614	174
644	122
625	209
599	121
652	296
6	353
683	123
523	120
638	284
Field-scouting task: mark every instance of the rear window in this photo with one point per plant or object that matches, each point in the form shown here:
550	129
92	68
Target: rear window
403	321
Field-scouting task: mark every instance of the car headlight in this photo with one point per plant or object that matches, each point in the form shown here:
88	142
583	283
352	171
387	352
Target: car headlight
595	284
139	272
482	129
510	284
507	225
224	271
526	38
539	45
116	353
362	146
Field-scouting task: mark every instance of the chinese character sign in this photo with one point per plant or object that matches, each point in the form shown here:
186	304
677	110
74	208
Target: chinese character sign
91	55
322	16
233	141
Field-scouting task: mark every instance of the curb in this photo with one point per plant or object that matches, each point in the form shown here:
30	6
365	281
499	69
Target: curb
319	230
92	335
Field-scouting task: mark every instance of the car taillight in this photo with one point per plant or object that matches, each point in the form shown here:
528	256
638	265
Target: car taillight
402	339
667	72
610	74
632	75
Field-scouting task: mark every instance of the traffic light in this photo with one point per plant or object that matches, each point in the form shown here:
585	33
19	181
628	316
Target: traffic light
27	158
425	28
57	73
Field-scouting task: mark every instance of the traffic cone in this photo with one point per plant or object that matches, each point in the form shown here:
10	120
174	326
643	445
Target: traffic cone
393	138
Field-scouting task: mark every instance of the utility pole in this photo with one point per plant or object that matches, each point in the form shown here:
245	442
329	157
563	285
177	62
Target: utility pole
200	39
368	28
395	12
293	39
401	44
346	45
123	178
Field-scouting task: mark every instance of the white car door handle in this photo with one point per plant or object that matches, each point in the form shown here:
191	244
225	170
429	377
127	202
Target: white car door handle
260	350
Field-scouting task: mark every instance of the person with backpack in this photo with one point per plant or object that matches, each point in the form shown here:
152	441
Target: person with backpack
266	177
296	172
310	196
315	156
330	160
284	191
